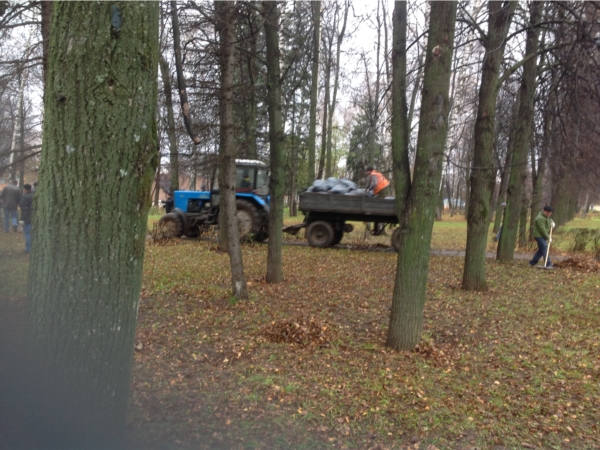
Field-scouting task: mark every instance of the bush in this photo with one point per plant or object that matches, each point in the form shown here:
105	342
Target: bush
583	236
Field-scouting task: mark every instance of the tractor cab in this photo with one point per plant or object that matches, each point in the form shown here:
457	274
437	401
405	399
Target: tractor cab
252	178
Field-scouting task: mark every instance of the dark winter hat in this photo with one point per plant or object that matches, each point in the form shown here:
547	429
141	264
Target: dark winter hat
548	208
370	169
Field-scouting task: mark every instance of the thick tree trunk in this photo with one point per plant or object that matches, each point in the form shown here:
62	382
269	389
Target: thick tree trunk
274	257
181	84
483	173
90	219
518	173
314	91
173	153
225	27
416	221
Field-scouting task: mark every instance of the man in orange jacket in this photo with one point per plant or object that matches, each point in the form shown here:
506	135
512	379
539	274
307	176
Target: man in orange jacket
377	184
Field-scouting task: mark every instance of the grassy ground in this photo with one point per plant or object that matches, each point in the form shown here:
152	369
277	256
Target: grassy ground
302	364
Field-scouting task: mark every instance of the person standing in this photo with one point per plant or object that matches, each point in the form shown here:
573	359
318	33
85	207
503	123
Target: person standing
169	203
377	184
26	206
541	233
11	196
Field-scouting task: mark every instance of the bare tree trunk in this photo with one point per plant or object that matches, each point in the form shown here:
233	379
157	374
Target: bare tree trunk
314	91
274	257
482	173
523	222
157	184
518	173
185	106
253	73
225	27
294	164
328	60
173	153
505	172
340	38
16	127
417	215
539	173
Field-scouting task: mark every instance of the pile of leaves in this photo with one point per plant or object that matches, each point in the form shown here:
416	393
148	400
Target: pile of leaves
580	265
302	331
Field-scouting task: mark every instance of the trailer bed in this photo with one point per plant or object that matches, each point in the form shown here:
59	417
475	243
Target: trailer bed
346	204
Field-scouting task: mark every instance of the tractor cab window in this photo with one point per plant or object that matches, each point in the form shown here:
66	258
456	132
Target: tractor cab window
245	179
262	182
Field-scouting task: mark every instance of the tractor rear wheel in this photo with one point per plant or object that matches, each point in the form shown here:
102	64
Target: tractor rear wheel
250	221
320	234
170	226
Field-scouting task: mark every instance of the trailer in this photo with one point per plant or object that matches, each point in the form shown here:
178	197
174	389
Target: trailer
326	216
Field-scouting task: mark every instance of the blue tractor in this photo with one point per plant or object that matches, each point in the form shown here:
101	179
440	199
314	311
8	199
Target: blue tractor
198	211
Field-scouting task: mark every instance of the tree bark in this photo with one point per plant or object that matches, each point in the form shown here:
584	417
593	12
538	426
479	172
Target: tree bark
328	58
417	217
505	173
274	256
99	158
225	27
46	23
173	153
518	173
336	77
400	123
482	172
539	173
314	91
251	59
185	106
522	242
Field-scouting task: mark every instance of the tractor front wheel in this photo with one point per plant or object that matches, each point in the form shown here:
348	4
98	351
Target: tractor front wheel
170	226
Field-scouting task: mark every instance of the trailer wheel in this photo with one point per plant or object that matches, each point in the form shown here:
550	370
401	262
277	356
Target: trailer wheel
250	222
320	234
170	226
338	237
396	239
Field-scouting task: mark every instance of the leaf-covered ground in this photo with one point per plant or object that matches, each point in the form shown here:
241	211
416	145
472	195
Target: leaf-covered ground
302	364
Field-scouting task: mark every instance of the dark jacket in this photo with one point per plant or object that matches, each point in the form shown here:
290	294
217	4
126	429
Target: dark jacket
26	207
11	196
